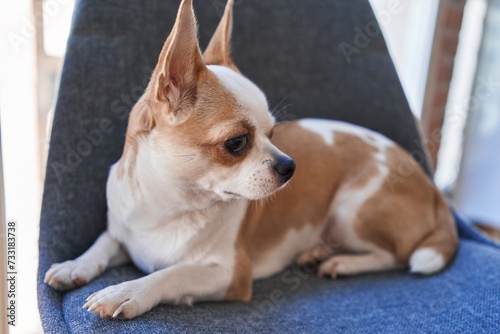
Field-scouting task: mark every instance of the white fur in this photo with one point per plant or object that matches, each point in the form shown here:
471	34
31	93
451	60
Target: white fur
157	239
352	264
250	97
345	209
140	210
186	245
426	261
327	129
190	255
321	127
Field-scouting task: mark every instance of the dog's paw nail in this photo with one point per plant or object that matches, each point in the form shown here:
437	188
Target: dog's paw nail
118	311
92	295
92	307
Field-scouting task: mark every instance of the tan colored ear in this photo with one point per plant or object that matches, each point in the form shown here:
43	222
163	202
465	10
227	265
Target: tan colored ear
179	65
218	51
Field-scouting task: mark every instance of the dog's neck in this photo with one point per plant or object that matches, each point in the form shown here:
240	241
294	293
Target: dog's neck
156	195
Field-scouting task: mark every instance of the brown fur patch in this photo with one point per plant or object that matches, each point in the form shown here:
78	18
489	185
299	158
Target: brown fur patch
241	285
269	220
308	197
401	216
405	211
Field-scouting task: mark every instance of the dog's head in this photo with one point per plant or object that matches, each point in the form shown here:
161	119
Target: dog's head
207	126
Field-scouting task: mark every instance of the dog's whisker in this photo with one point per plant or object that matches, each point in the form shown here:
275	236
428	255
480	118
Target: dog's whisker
283	108
282	100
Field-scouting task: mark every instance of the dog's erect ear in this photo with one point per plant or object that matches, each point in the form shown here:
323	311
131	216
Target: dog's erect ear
179	65
218	51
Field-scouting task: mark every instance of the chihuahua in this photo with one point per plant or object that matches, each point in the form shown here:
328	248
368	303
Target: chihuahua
203	199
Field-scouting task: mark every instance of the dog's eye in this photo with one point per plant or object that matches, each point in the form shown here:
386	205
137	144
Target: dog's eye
237	144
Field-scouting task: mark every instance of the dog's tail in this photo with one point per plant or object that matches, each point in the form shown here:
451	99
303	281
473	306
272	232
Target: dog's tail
435	251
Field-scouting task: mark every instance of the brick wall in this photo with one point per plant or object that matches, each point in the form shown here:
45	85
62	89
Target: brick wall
449	21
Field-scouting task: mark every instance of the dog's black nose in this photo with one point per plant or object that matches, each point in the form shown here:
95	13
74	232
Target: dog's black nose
285	167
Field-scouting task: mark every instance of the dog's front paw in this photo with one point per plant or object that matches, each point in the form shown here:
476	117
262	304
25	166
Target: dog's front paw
71	274
126	301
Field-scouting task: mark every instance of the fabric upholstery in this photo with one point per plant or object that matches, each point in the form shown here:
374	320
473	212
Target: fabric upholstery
297	302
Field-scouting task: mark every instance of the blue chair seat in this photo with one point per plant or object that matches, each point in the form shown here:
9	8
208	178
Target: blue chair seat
465	298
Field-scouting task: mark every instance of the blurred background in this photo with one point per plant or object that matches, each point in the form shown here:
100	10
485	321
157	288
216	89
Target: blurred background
445	53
